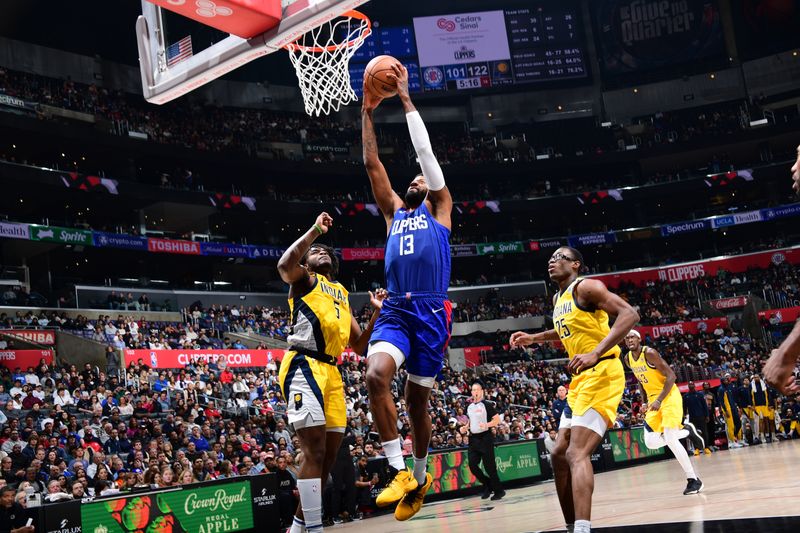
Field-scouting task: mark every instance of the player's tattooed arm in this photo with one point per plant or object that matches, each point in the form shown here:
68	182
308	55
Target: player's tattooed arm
388	201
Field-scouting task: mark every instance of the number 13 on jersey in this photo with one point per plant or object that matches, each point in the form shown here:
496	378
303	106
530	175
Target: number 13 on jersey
407	245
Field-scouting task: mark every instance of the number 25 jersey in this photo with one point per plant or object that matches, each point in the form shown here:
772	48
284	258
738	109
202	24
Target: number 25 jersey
417	258
580	329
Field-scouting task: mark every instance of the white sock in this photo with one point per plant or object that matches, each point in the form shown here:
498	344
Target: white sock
583	526
420	469
394	453
311	503
298	526
670	435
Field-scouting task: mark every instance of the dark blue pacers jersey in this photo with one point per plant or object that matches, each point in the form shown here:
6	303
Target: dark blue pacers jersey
417	253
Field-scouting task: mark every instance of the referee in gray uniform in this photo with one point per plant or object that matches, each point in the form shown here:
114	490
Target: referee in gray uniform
483	417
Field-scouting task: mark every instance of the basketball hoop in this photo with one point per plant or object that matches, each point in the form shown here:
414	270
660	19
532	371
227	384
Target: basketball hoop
321	58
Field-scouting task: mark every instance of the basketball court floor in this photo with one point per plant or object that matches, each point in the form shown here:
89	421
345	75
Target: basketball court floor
755	489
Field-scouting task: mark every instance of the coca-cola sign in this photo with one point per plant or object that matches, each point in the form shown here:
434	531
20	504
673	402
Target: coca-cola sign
729	303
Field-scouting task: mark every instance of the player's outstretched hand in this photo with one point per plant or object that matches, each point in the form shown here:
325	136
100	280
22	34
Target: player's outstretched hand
779	372
400	75
582	362
519	339
377	298
324	222
370	101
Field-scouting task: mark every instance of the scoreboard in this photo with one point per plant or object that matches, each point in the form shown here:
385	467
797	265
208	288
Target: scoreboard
481	50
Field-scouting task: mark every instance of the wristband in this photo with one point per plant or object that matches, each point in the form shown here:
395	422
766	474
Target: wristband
319	229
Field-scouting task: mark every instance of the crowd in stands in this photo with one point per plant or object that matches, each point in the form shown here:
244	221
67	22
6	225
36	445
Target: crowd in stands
214	128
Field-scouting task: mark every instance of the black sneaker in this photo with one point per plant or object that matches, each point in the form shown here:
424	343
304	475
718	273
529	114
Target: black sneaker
486	493
694	436
693	486
499	495
337	520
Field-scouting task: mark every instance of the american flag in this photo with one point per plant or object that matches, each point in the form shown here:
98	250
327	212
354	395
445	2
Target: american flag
179	51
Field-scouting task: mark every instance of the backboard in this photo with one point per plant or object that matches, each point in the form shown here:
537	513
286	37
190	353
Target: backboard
162	82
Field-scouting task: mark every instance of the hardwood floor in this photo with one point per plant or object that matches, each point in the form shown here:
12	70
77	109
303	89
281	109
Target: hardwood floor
740	485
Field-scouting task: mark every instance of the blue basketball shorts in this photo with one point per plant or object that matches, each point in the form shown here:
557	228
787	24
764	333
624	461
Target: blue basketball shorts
420	328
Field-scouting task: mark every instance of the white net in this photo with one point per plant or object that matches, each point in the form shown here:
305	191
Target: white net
321	58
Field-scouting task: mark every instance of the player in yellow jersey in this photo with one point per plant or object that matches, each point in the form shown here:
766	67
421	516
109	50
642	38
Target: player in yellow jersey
582	308
322	327
663	421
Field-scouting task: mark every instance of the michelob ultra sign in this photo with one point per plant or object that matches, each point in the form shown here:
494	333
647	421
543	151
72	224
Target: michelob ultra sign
219	508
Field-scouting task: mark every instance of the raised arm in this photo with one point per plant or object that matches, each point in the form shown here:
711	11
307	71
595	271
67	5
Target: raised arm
593	294
655	359
289	267
388	201
438	193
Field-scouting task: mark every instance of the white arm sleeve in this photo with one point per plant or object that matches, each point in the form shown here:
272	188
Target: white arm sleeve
422	145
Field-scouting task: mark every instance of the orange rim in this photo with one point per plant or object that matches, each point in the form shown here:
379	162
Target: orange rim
332	48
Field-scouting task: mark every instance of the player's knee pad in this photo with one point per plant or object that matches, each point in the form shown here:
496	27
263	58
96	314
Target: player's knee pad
654	441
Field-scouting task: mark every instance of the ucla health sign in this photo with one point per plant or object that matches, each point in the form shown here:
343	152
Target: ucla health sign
14	230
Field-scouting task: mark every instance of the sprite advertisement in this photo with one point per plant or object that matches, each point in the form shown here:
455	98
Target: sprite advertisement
628	445
220	508
450	470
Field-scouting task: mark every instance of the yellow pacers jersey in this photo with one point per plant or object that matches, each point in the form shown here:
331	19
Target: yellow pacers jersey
580	330
321	319
650	377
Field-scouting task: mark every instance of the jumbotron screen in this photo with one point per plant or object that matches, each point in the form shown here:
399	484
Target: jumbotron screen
482	50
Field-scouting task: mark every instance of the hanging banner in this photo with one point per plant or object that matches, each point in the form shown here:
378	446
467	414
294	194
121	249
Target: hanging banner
700	269
61	235
25	358
493	248
592	239
119	240
14	230
729	303
785	315
683	328
736	219
170	246
37	336
181	358
264	252
362	254
463	250
680	228
224	249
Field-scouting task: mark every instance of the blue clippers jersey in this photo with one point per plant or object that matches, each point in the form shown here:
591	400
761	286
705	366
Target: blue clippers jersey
417	253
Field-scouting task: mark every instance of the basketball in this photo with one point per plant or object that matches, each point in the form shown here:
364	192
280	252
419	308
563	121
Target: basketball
376	80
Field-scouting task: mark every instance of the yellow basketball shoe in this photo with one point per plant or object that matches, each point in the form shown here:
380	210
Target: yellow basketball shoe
412	502
402	484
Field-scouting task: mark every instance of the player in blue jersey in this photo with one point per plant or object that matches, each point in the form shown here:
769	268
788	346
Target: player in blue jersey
415	322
